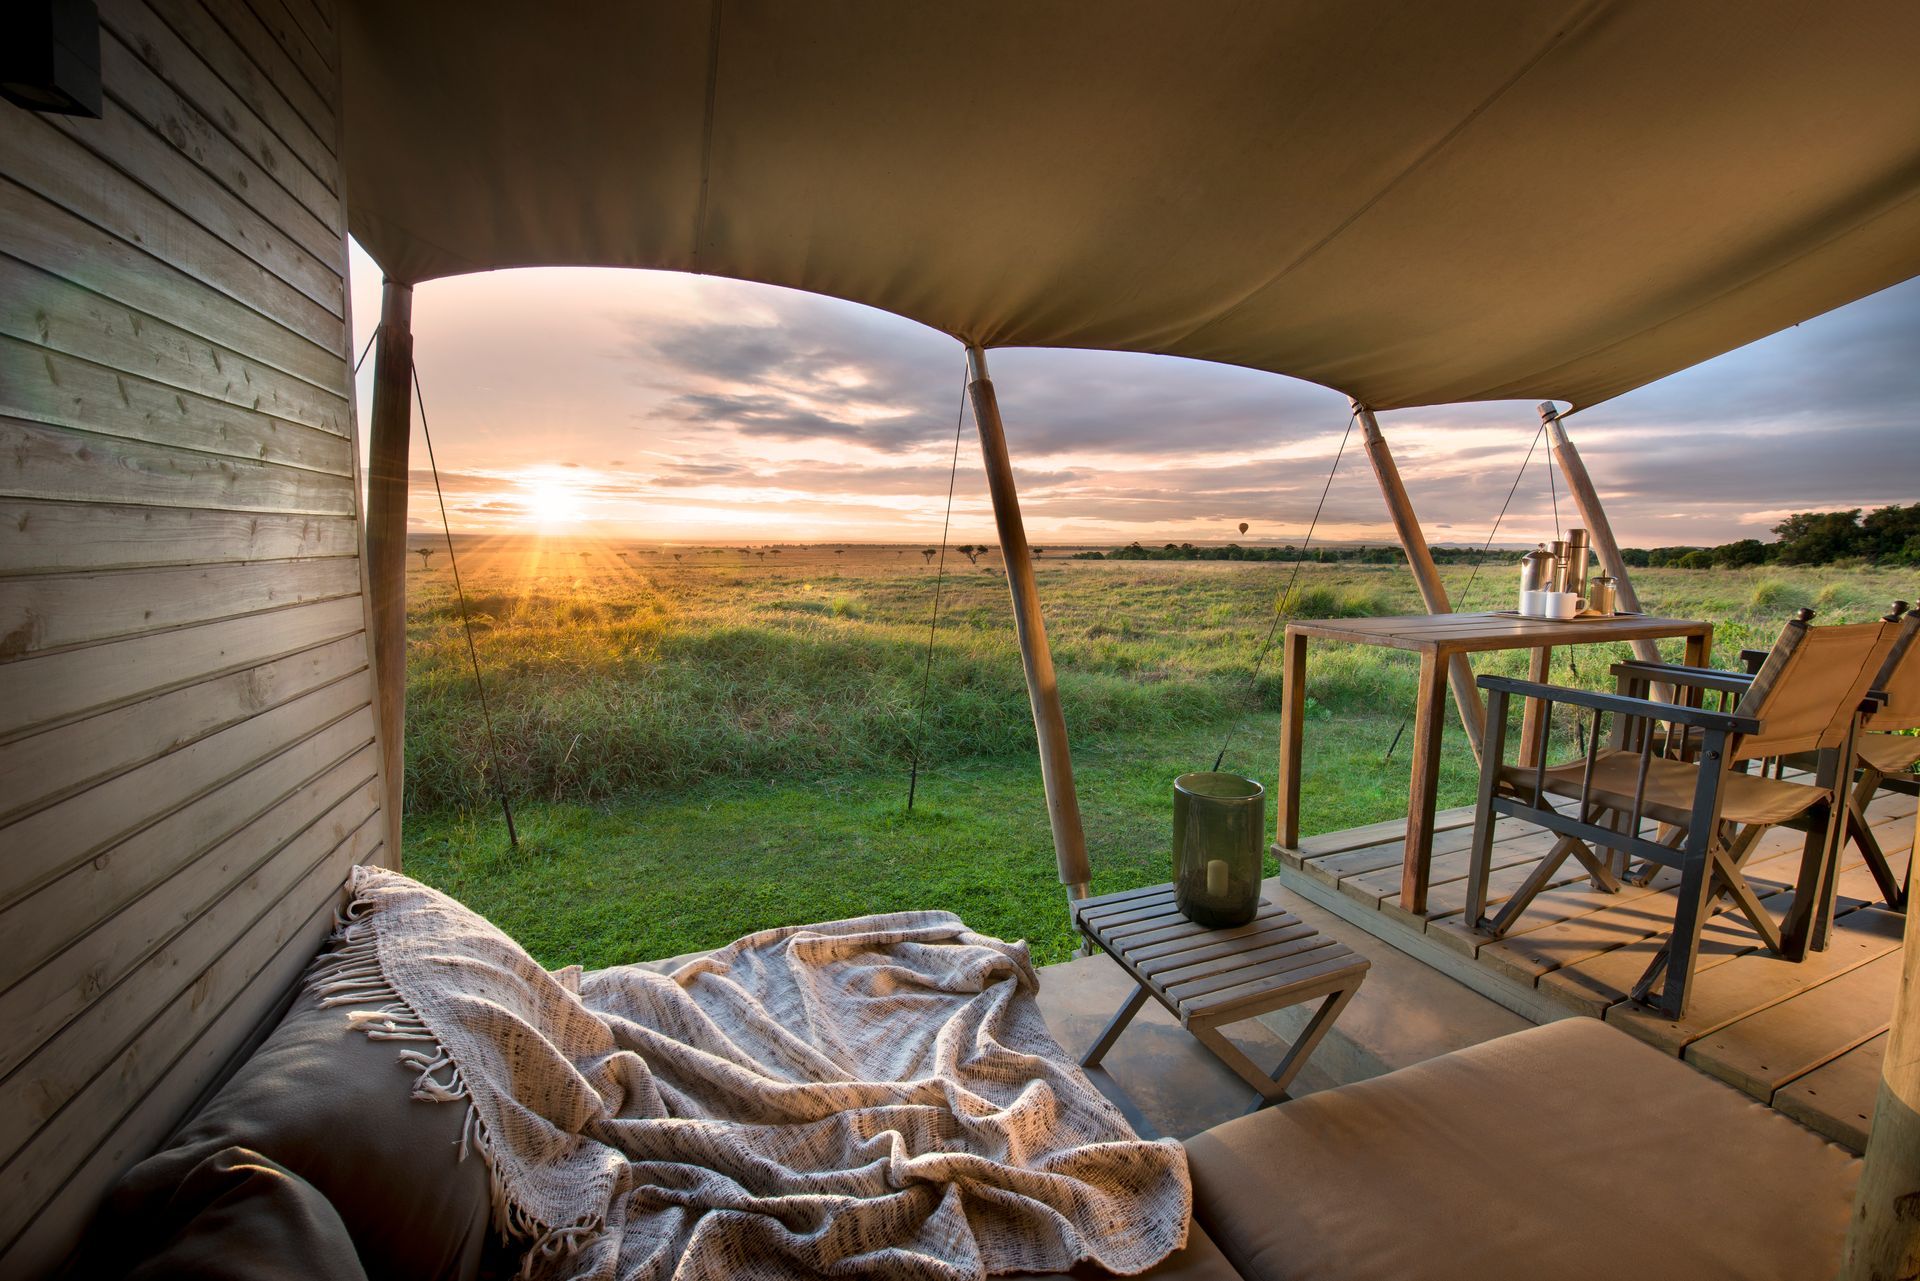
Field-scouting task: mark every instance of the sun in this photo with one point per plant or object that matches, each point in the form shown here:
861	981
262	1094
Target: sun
551	502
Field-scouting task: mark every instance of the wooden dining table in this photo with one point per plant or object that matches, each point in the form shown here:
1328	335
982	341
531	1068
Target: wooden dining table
1441	640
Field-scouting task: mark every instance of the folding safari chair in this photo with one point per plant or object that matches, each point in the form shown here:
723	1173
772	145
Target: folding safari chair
1883	756
1886	757
1806	697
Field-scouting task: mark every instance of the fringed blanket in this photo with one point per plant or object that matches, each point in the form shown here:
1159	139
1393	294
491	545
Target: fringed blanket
874	1097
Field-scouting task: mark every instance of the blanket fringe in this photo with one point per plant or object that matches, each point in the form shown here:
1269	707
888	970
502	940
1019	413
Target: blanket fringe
350	973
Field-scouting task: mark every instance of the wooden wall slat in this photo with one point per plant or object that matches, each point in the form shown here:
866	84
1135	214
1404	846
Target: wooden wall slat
315	67
75	1011
94	833
174	61
53	689
52	537
214	40
62	166
60	611
269	77
122	1115
135	88
121	139
51	387
187	733
39	307
44	768
317	22
45	234
38	461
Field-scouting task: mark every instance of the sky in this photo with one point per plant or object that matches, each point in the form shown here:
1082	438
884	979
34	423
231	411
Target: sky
642	405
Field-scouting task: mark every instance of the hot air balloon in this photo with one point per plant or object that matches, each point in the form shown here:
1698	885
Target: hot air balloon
1243	527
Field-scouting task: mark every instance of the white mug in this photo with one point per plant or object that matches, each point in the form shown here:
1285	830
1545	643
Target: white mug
1533	604
1561	605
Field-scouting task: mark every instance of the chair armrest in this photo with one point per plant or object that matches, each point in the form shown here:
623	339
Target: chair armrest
1693	677
1753	659
1620	704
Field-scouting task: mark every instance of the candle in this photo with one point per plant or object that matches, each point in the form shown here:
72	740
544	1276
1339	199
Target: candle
1216	878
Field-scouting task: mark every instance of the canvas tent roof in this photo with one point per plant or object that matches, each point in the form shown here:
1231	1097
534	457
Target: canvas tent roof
1411	203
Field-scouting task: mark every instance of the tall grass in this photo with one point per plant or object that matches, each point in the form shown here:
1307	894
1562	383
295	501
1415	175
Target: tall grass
615	676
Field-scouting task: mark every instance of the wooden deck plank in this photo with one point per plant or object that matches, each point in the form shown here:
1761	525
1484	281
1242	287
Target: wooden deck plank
1537	946
1604	980
1765	1050
1726	993
1611	921
1381	863
1448	900
1803	1036
1393	829
1550	910
1837	1098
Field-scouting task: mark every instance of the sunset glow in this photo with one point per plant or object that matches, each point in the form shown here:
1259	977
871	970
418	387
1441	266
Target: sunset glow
551	502
632	405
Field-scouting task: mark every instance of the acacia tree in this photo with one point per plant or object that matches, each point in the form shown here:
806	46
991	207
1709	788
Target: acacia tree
928	553
425	554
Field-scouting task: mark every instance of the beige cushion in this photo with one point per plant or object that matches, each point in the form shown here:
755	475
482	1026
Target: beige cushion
1199	1260
1569	1151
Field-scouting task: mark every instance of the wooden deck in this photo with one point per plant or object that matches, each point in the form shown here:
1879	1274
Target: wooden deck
1805	1039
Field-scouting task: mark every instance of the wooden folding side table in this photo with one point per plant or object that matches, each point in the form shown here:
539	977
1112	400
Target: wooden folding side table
1208	978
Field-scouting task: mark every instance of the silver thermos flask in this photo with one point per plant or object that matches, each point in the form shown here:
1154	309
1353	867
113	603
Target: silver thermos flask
1557	575
1536	571
1576	572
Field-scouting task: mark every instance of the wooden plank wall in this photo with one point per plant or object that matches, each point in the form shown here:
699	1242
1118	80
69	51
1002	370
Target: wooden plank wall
188	762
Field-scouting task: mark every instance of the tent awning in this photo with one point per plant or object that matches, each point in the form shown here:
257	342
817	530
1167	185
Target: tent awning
1413	204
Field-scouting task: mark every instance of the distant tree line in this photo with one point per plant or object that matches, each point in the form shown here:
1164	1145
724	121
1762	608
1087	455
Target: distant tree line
1382	555
1886	536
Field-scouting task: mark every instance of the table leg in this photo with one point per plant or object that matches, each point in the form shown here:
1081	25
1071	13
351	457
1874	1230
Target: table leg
1533	727
1115	1026
1293	715
1699	648
1429	719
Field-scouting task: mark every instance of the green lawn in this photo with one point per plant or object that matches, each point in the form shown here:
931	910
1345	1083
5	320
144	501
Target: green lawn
704	747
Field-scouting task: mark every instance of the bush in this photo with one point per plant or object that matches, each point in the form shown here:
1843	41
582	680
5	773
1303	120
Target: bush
1699	559
1771	595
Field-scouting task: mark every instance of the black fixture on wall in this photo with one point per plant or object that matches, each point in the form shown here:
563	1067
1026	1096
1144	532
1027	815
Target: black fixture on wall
50	56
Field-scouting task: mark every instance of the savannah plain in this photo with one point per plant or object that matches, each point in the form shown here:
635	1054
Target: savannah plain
700	741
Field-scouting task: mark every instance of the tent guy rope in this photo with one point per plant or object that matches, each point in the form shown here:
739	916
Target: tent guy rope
933	620
1286	597
466	619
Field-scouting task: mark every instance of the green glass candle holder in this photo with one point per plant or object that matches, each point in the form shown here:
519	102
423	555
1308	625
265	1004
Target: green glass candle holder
1219	825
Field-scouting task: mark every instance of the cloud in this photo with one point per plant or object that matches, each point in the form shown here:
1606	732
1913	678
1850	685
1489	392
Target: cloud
716	400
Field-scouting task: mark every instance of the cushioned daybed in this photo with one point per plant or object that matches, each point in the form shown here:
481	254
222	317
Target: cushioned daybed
1565	1151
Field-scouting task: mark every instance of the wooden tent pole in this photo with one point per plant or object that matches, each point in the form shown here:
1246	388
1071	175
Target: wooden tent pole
1883	1242
1426	575
389	435
1043	691
1587	499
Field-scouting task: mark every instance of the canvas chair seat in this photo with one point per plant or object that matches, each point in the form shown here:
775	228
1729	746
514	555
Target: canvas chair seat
1888	753
1745	798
